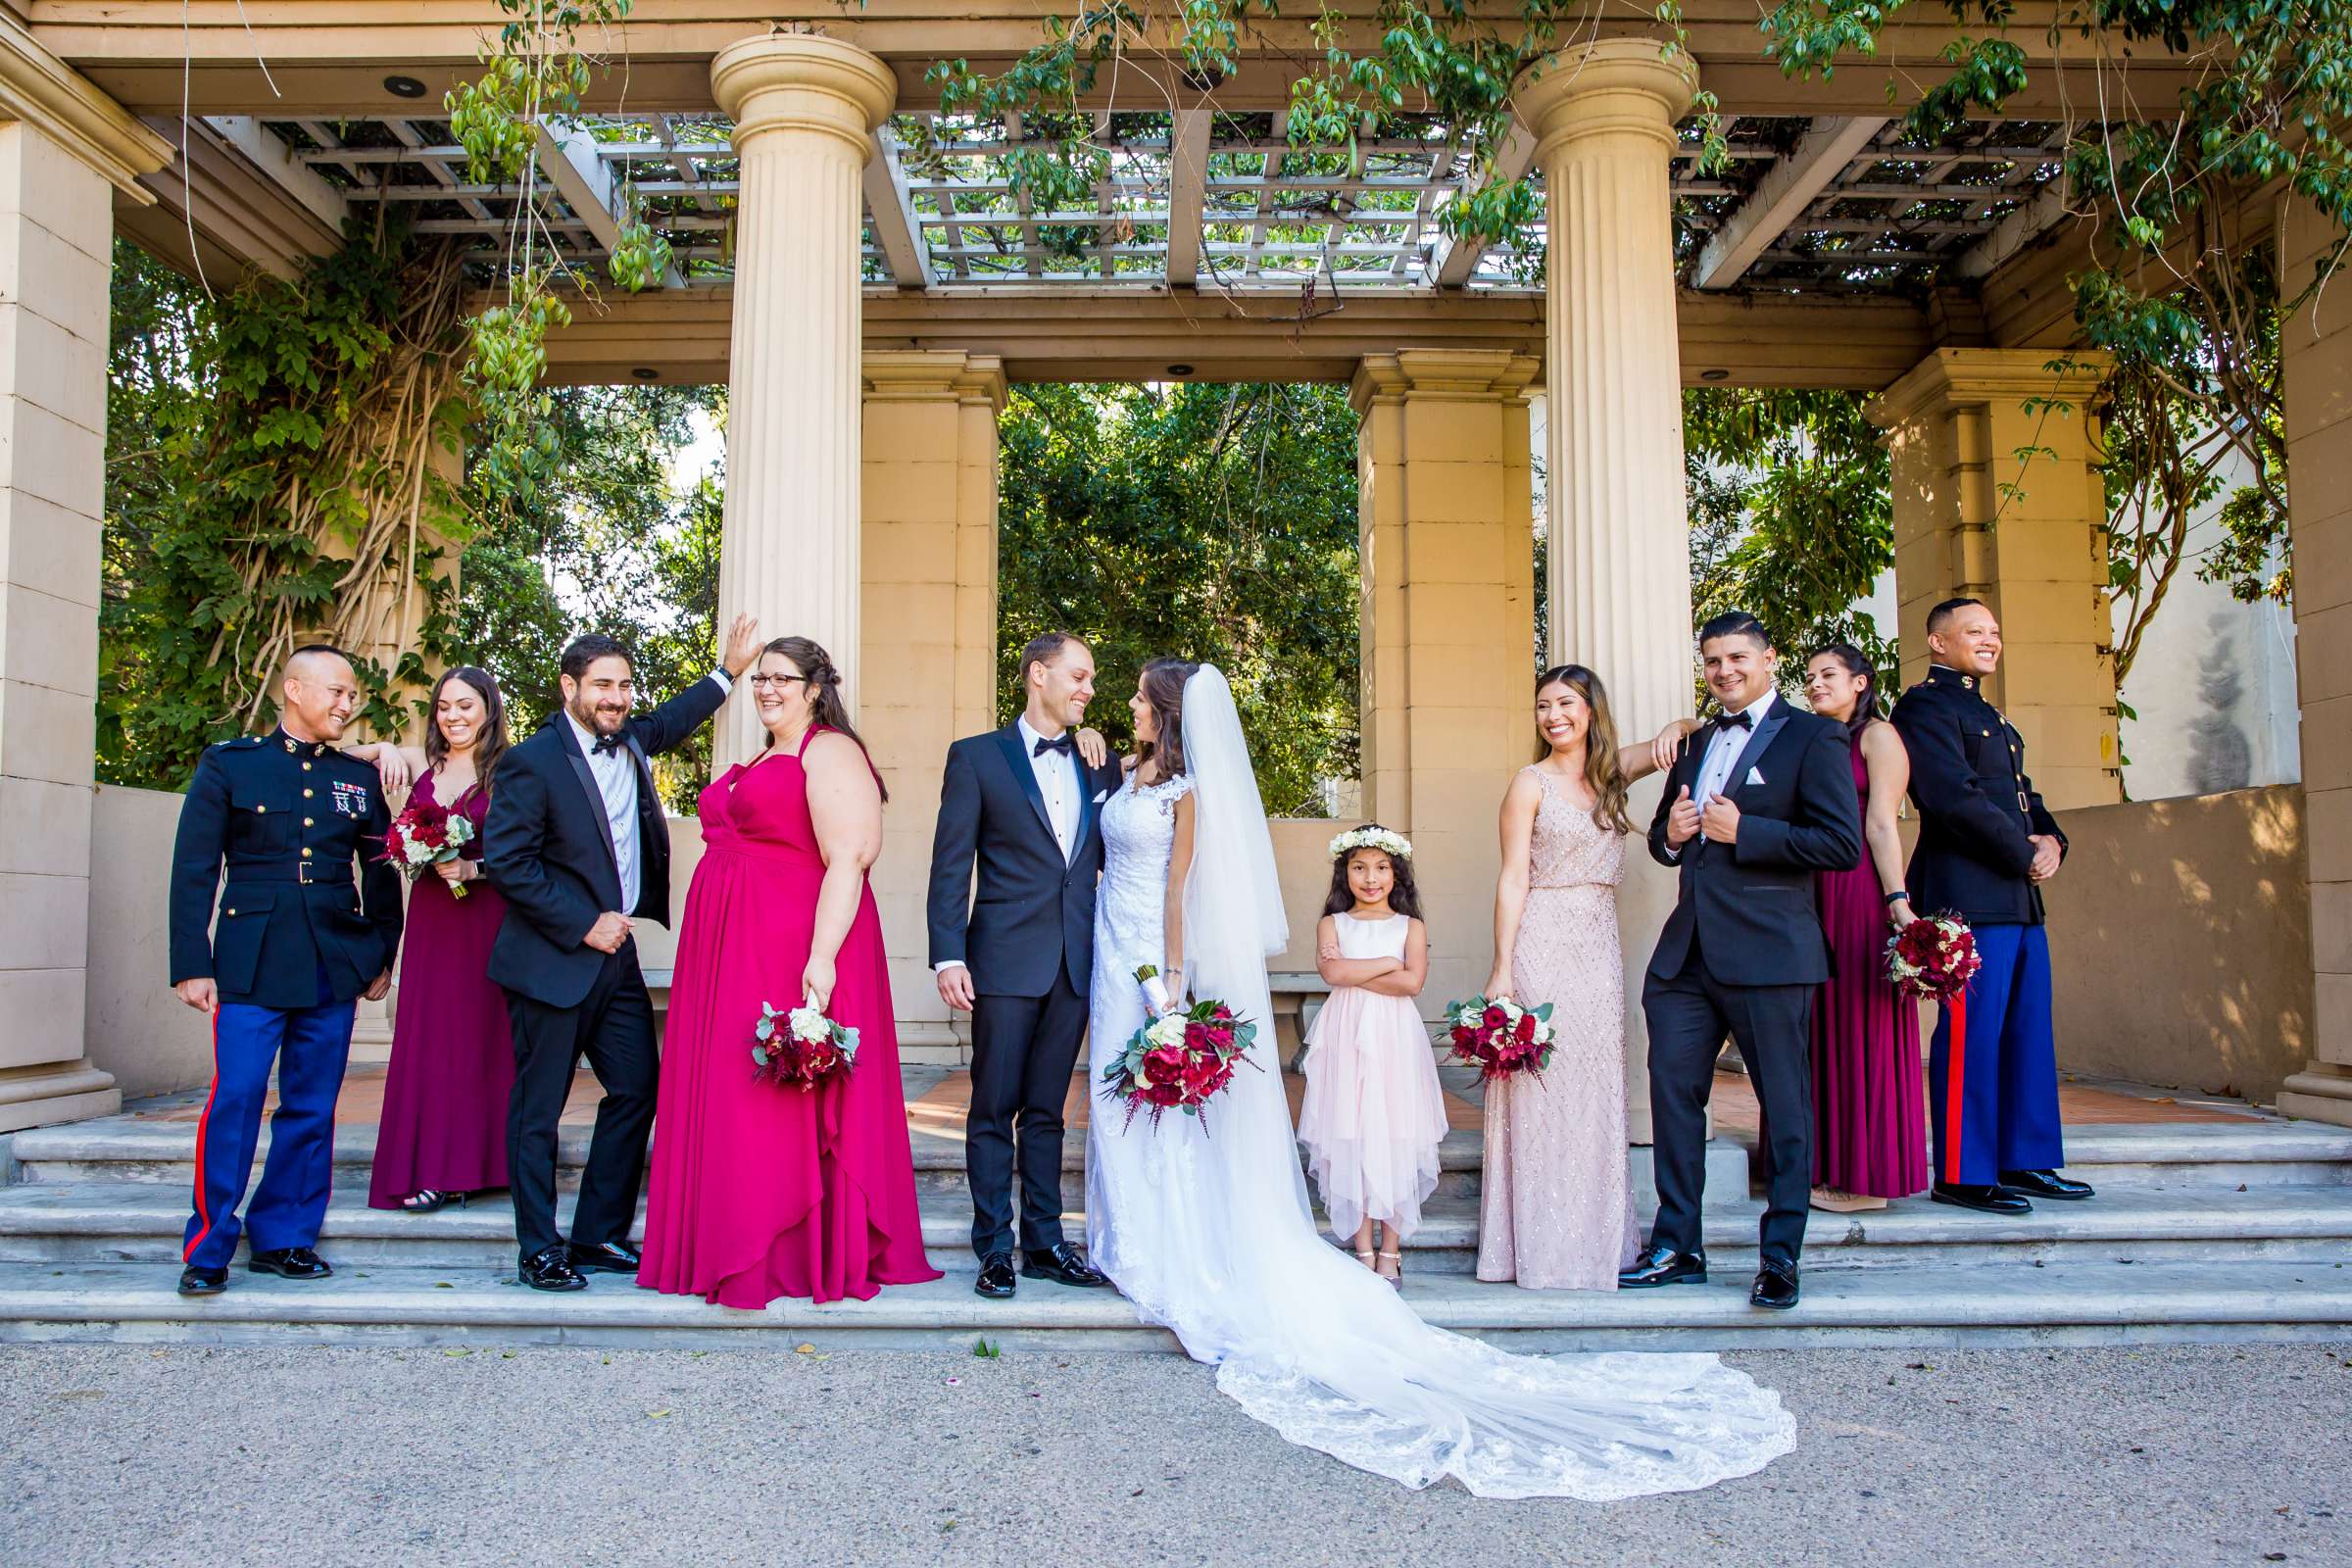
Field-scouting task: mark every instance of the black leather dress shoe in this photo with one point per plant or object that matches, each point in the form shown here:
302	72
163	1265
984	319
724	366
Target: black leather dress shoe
548	1269
1663	1266
995	1279
2046	1183
290	1263
605	1257
1063	1266
1776	1287
1983	1199
197	1280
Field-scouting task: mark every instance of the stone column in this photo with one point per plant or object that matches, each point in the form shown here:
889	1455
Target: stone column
56	257
2027	534
2317	343
927	667
1603	116
805	108
1447	550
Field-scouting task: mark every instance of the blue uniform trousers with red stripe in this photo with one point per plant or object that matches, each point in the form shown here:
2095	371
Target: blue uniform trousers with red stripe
1992	1097
310	1046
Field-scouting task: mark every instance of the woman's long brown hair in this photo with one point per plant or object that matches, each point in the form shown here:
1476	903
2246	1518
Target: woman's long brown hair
1163	688
827	710
1603	775
489	743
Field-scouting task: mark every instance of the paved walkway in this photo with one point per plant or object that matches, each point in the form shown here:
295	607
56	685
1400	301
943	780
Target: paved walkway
130	1456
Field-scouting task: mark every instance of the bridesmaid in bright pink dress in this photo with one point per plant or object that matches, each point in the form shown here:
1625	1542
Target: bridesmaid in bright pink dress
759	1192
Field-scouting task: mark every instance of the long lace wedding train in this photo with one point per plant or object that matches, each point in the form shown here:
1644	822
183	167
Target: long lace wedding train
1204	1224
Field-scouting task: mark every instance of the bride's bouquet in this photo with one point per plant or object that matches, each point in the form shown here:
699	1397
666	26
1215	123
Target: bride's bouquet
1934	957
1500	1038
425	835
1181	1059
799	1048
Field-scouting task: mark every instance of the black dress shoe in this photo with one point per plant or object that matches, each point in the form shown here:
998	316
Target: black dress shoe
604	1257
996	1277
2046	1183
1985	1199
1776	1287
290	1263
548	1269
1663	1266
1061	1264
197	1280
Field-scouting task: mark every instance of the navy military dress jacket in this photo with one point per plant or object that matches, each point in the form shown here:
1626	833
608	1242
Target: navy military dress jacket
286	819
1976	806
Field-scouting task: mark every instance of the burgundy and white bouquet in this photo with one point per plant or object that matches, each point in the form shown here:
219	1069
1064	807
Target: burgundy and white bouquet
801	1048
1499	1037
1934	957
1182	1058
424	836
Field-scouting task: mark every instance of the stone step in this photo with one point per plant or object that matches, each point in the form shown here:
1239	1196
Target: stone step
134	1222
472	1308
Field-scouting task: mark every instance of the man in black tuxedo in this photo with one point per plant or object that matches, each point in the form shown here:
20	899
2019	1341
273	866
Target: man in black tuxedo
577	843
1758	802
1016	952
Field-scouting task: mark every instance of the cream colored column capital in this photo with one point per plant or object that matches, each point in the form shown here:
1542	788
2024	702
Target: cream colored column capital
1473	375
903	376
1611	86
44	92
1975	377
803	81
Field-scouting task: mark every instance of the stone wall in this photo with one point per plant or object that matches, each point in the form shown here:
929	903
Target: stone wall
137	1029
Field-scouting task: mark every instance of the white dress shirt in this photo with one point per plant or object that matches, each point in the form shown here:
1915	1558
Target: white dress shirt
615	775
1724	747
1057	781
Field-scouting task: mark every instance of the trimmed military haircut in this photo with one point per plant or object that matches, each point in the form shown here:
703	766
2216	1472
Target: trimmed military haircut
1043	648
307	651
587	649
1735	624
1941	615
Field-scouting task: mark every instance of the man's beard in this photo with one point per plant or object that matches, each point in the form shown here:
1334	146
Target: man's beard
584	714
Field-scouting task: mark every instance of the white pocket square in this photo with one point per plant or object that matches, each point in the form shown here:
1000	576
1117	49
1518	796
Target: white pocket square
1100	796
1755	776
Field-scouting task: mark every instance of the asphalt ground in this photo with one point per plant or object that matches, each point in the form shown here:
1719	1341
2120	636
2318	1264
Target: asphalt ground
136	1455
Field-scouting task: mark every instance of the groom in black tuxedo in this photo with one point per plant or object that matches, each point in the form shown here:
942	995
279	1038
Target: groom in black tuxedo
1758	802
577	843
1016	952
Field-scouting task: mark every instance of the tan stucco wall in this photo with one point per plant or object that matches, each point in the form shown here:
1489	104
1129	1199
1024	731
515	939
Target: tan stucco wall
2180	942
137	1029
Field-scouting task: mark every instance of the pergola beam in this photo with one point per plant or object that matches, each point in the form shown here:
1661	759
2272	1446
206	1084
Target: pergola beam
1455	260
1782	197
1188	194
2013	233
586	186
897	229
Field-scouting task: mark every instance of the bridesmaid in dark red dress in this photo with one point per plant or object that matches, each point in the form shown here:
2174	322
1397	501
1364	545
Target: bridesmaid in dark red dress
759	1192
444	1128
1870	1141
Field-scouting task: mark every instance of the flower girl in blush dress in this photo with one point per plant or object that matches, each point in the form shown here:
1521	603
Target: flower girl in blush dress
1374	1112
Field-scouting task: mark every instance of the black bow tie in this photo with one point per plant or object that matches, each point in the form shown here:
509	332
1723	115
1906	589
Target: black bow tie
1743	720
606	742
1060	743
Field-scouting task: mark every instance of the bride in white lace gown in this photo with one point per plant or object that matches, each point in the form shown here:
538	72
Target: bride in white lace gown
1204	1223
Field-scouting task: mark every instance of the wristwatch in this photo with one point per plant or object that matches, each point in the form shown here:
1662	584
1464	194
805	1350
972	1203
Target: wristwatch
1898	896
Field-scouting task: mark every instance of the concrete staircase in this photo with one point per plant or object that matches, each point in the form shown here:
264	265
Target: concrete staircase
2202	1231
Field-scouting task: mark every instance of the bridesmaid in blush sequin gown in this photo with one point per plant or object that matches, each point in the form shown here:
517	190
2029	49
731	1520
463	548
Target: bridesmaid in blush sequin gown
759	1191
1557	1208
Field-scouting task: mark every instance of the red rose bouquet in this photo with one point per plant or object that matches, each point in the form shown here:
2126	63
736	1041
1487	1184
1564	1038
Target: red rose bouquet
1181	1059
799	1048
425	835
1934	957
1499	1037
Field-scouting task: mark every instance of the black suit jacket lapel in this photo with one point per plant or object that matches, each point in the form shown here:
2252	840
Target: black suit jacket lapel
1752	752
1009	739
596	797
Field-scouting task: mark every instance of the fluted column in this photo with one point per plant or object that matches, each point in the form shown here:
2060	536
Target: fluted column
805	108
1604	117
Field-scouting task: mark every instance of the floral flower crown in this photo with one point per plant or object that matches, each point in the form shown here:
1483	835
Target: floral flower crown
1394	844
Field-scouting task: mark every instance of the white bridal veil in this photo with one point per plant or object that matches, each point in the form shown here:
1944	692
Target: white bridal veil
1321	1348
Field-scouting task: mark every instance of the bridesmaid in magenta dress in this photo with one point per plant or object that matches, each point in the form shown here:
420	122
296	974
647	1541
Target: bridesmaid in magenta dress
759	1192
1868	1095
444	1128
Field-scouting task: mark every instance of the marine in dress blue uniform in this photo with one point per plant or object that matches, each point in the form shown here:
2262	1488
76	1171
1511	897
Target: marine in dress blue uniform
1992	1095
300	937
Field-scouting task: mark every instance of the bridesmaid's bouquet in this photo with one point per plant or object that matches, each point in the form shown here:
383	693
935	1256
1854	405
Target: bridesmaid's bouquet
425	835
1500	1038
1934	957
1181	1059
801	1049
